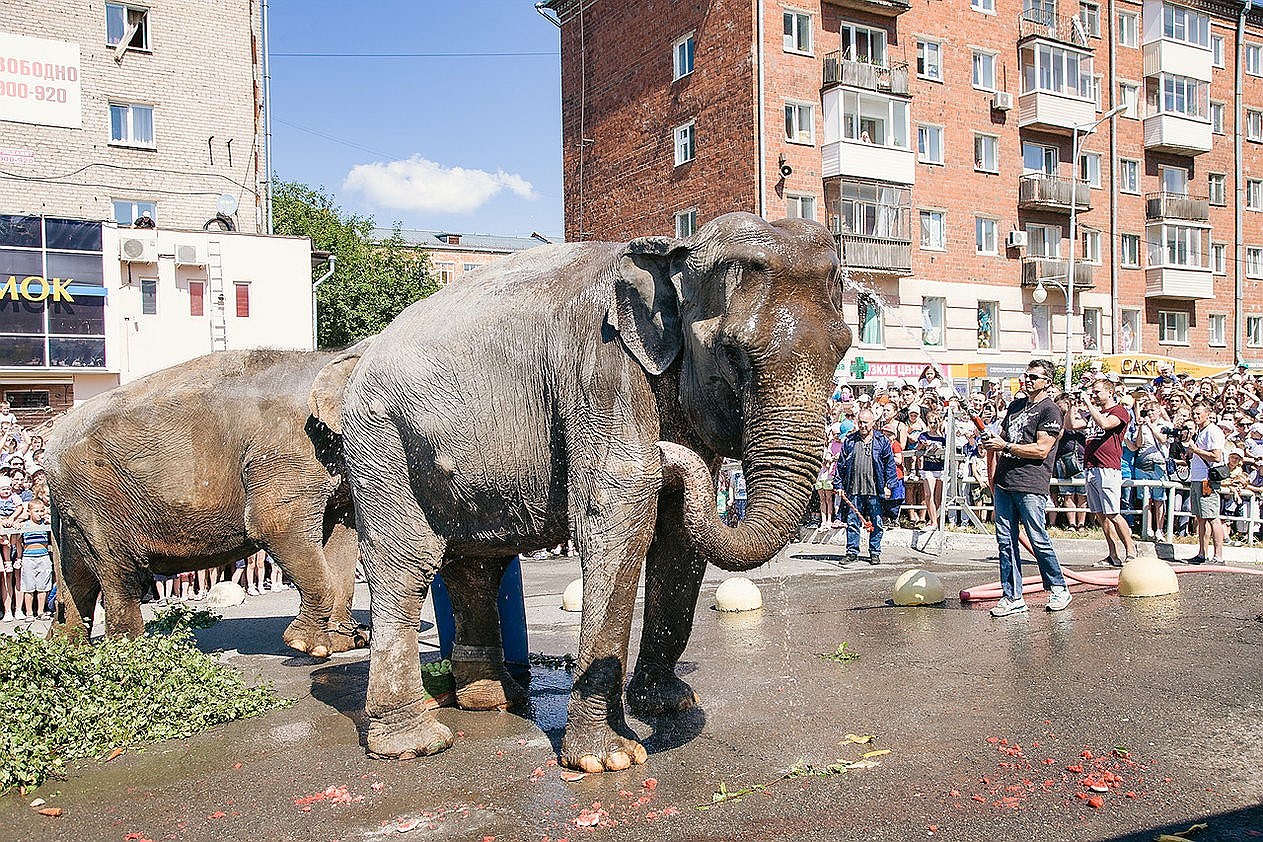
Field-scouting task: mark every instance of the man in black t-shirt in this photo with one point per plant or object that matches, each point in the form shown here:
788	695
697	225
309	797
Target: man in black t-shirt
1026	448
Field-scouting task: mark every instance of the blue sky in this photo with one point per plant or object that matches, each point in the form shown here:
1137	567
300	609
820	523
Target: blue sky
461	143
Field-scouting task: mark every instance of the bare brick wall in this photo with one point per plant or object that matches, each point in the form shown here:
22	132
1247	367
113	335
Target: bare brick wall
204	82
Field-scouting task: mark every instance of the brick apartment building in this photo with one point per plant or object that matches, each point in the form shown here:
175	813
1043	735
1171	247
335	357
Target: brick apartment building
934	138
133	196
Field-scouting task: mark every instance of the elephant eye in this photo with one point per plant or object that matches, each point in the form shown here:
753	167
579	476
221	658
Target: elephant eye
732	364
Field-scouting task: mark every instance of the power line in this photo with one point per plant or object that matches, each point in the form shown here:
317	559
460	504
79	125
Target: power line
416	55
335	139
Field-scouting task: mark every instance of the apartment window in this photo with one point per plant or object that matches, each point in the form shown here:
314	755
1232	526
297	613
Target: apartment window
797	32
1179	246
933	230
1037	158
1217	188
1091	245
1172	328
800	207
1128	31
985	240
871	118
1254	331
1090	17
684	144
933	327
1090	168
241	296
1253	125
987	7
1129	98
682	56
859	43
1095	89
127	211
1253	262
1254	59
1217	50
930	144
1181	24
1041	327
984	70
872	330
131	124
1217	330
870	210
1055	70
1129	331
1253	194
685	223
1217	117
930	60
1219	258
800	122
1175	180
986	153
1129	251
197	298
988	324
1091	328
1168	93
446	272
1043	240
120	19
149	297
1128	176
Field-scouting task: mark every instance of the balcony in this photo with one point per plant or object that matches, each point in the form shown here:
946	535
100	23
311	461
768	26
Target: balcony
875	254
1159	206
1036	269
854	159
1178	58
884	8
1053	112
1182	283
841	69
1177	134
1040	192
1035	23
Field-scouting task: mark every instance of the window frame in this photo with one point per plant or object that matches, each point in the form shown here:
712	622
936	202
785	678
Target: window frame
923	60
981	6
790	41
934	302
1128	315
1124	260
1125	165
1220	109
1220	179
795	107
1128	36
1132	111
1088	173
862	301
1091	256
992	341
978	53
979	164
1041	318
1172	321
1095	332
1217	51
149	296
1044	228
1254	125
1254	262
689	41
689	217
1217	338
980	224
1170	23
129	123
941	214
799	198
146	29
1219	258
136	210
688	129
1253	59
1253	332
1090	12
1254	194
241	299
942	153
197	302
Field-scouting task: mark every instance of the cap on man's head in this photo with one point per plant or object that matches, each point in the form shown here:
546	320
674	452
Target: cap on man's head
914	408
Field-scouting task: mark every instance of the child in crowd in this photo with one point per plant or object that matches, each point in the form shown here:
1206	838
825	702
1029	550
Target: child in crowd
37	563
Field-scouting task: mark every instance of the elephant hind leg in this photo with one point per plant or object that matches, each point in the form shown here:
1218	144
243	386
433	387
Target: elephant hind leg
77	583
482	682
124	582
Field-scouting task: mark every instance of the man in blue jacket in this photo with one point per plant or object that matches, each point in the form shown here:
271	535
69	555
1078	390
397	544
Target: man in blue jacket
865	474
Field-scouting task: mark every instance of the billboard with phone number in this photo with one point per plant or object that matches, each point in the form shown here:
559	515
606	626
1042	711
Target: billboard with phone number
39	81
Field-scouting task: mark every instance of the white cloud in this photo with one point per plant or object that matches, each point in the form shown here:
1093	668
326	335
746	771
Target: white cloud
417	184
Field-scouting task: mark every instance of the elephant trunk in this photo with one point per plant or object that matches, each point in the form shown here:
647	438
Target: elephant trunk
781	461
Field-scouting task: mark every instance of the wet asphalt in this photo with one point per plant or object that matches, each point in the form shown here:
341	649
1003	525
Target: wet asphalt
989	727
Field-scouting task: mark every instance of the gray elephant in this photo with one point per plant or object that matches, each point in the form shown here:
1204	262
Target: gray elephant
587	389
201	464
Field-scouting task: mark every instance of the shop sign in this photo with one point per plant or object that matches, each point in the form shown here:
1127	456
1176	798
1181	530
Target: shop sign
36	288
1001	371
1146	366
906	371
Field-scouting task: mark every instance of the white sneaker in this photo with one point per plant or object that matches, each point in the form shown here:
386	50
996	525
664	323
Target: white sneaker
1006	606
20	615
1059	599
252	590
8	618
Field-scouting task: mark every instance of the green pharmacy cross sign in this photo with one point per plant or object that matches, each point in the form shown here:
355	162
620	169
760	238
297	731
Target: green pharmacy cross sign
859	368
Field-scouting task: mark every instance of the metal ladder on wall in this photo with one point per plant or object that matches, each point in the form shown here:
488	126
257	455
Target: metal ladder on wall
215	280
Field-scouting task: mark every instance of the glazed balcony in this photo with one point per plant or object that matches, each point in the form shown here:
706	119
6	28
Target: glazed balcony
844	69
875	254
1040	192
1159	206
1049	269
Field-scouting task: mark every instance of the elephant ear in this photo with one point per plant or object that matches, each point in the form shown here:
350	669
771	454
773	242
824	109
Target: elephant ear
325	401
646	308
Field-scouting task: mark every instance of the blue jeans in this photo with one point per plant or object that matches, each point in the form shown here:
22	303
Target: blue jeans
1028	509
870	505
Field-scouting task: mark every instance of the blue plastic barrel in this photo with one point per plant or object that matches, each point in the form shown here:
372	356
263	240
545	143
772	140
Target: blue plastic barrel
511	604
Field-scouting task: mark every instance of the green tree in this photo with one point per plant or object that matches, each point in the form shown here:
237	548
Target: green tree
373	282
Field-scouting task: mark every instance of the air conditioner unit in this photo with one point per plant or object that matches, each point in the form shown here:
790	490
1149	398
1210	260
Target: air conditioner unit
1002	101
1017	239
189	254
138	249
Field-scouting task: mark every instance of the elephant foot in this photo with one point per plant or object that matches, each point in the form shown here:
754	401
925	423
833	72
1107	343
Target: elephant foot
407	733
490	694
305	637
599	749
655	692
347	635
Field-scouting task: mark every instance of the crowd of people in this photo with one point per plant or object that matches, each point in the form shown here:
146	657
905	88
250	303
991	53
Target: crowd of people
1123	454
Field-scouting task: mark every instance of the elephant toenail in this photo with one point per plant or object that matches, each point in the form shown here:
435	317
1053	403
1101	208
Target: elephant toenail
639	754
618	760
590	763
408	755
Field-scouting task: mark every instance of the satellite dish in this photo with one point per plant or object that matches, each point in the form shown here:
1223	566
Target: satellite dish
226	204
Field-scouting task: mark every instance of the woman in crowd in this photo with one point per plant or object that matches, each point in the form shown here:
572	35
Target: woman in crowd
1149	446
932	451
1068	469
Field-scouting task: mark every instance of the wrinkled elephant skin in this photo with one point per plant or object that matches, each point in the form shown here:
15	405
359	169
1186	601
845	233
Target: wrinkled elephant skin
529	401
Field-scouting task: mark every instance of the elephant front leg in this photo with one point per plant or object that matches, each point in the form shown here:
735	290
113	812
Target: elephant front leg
673	577
341	551
597	736
482	682
304	561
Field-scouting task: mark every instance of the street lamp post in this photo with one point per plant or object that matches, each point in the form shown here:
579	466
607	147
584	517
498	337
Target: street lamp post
1075	133
1039	295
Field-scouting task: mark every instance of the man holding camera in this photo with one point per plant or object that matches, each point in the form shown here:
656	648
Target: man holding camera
1103	461
1025	447
1205	473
